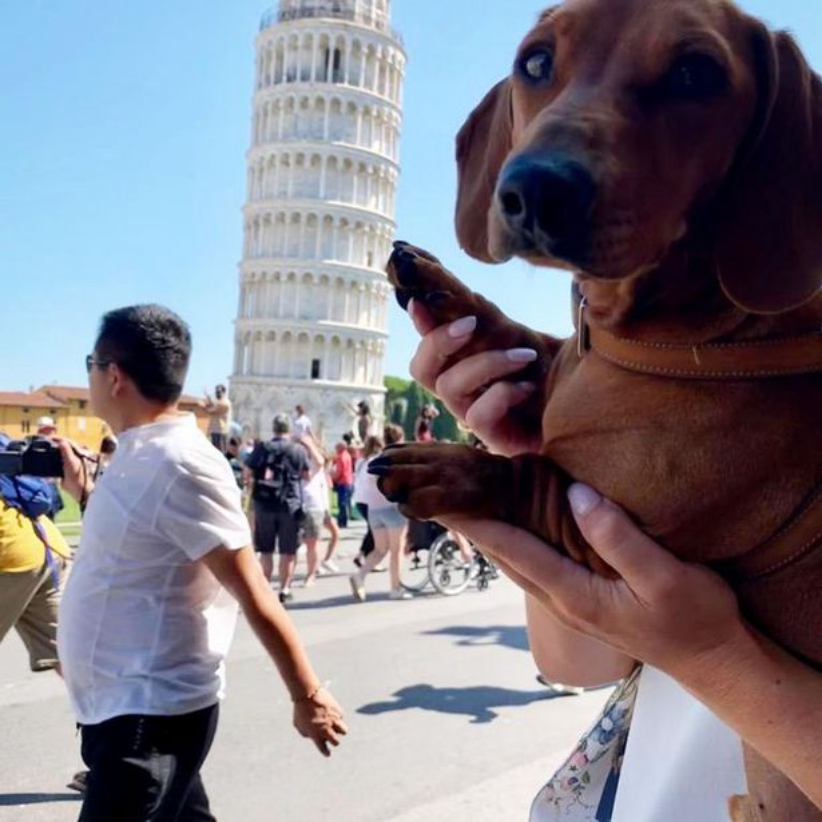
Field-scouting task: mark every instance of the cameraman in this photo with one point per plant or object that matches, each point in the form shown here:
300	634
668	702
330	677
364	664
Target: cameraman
145	623
33	560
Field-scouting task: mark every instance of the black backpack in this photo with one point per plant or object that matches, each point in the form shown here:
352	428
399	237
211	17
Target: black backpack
274	479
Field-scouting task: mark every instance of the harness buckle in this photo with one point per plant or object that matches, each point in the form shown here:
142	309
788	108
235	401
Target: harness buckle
583	336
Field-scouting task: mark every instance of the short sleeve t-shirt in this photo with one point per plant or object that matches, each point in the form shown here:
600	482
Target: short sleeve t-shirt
21	549
343	469
144	625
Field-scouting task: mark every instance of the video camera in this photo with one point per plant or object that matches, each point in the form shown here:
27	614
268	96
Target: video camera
37	457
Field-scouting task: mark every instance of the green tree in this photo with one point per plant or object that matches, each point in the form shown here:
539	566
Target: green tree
415	400
445	425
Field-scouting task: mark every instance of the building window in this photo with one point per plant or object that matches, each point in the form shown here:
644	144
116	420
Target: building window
315	369
25	426
82	404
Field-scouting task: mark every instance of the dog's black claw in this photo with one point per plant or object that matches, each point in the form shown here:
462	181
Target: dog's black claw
403	296
398	497
379	466
404	264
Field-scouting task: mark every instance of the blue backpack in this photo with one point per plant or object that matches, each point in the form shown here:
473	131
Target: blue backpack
31	495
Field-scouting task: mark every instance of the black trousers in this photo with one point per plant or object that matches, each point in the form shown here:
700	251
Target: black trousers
147	768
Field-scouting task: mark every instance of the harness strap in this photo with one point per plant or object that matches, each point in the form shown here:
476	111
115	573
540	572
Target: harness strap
742	360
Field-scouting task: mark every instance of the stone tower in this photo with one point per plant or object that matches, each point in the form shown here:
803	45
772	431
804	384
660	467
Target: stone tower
323	169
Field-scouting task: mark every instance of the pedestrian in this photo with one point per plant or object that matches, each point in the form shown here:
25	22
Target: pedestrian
315	506
364	420
672	631
34	559
363	489
47	429
424	425
302	426
343	477
328	565
108	445
146	618
388	526
277	469
219	417
235	459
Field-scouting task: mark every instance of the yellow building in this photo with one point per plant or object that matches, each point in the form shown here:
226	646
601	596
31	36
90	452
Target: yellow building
70	409
19	412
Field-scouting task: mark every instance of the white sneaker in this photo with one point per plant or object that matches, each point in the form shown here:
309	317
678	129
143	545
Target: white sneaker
330	567
357	587
400	593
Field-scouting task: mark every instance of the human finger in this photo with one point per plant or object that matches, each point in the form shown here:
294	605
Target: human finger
492	406
461	383
647	568
437	346
420	317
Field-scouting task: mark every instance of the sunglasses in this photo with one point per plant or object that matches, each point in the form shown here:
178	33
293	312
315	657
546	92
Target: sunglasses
91	362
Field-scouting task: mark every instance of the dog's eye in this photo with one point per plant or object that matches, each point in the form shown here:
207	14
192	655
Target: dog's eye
537	66
695	77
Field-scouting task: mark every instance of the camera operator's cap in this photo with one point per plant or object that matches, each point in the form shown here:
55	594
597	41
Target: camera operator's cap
45	425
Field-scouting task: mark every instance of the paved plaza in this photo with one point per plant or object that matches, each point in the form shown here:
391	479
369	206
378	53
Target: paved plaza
447	720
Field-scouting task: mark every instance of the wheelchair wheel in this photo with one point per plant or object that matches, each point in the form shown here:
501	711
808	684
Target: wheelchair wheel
450	574
414	570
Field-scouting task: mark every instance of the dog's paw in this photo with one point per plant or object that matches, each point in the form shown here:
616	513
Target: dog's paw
438	479
416	274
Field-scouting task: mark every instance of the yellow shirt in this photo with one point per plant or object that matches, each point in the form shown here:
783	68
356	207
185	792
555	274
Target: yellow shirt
20	547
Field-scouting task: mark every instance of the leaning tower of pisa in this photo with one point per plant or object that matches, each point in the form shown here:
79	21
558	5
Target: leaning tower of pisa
322	176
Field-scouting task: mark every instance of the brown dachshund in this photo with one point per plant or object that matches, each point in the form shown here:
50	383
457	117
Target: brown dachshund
670	156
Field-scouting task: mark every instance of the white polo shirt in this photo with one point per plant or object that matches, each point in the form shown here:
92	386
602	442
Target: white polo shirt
144	626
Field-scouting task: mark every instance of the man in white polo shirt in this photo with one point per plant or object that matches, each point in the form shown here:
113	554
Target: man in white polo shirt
147	615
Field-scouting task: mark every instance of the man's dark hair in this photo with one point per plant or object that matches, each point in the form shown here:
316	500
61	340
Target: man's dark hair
151	344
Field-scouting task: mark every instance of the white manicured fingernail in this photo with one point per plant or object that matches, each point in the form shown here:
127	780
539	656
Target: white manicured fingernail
462	328
583	499
521	355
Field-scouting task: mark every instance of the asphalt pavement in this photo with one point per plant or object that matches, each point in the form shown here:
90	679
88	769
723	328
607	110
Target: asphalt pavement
447	720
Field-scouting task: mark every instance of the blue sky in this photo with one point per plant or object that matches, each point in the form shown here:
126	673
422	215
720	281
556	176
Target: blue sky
122	171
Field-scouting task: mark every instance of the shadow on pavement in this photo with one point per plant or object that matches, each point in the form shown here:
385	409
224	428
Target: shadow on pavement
478	702
7	799
509	636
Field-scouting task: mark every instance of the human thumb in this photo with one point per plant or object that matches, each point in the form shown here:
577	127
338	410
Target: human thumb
639	560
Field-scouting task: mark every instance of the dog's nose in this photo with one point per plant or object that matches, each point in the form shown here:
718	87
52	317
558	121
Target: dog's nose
547	201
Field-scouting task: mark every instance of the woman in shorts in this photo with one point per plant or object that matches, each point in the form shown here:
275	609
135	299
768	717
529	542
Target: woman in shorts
388	526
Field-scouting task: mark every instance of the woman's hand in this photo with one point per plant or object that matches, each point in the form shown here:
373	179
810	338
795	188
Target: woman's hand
662	611
475	390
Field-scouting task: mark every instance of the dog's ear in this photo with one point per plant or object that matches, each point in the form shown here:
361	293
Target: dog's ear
768	230
482	146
